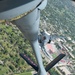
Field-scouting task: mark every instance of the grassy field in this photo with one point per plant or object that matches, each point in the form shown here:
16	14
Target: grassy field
27	73
3	70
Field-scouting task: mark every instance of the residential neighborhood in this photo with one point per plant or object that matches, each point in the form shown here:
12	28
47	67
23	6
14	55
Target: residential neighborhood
67	65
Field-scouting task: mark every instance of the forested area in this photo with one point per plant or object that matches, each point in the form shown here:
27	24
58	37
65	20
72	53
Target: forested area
12	43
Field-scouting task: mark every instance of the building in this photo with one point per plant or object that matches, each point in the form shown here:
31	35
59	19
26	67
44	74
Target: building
50	48
65	70
1	62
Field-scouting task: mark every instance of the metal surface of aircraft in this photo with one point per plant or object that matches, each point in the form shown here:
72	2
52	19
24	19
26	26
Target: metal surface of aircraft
25	14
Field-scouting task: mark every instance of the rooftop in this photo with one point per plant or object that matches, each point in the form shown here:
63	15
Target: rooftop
65	70
50	47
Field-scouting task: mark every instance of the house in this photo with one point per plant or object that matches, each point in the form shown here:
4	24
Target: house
1	62
50	48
